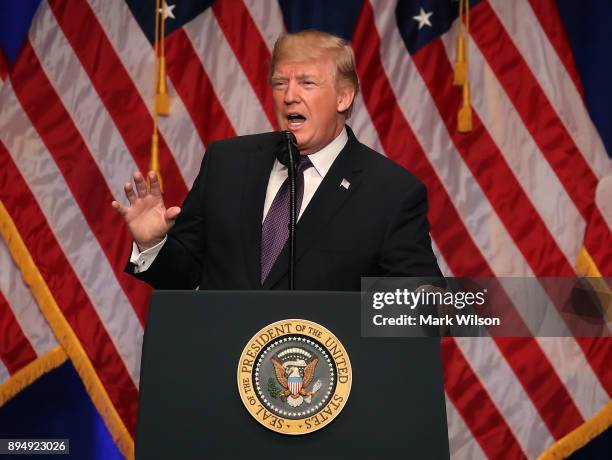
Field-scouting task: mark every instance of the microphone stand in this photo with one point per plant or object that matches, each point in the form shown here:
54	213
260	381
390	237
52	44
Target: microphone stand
292	206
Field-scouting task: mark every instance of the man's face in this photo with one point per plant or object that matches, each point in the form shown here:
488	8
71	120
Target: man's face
308	102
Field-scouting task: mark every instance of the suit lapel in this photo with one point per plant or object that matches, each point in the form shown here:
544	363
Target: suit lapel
257	173
325	203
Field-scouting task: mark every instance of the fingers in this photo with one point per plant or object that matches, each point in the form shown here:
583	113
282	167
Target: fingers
155	189
172	213
129	192
141	186
121	210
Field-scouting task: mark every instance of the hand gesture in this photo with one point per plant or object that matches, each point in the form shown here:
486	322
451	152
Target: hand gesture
147	218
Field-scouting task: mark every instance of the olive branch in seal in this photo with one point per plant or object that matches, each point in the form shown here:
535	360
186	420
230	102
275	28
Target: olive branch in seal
273	389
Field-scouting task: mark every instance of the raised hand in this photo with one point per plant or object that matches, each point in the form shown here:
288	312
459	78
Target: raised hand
147	218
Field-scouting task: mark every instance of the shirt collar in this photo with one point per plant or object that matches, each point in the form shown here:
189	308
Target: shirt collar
323	159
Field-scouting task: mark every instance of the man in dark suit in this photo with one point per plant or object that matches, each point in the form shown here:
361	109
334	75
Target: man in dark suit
360	214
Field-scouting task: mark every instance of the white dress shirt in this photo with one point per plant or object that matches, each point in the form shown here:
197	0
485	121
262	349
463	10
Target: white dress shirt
321	161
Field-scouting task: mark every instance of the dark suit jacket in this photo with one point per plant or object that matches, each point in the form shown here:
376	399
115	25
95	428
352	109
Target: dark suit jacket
376	227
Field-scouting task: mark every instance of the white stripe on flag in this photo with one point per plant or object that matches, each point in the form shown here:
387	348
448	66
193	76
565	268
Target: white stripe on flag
444	268
479	217
268	18
461	443
231	85
533	172
25	309
575	373
362	125
602	198
71	230
74	89
523	26
136	54
513	403
535	307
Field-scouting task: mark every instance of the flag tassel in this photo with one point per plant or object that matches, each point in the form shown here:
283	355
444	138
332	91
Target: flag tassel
162	102
461	68
464	118
154	163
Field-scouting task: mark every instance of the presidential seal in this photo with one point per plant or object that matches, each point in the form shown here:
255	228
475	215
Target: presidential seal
294	376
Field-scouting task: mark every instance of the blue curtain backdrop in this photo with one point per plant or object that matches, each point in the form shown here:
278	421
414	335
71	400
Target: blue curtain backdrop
57	406
588	27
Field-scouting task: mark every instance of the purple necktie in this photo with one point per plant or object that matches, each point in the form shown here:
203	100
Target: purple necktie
275	227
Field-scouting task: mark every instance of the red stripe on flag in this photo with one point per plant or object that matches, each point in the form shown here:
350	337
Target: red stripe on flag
194	88
546	128
547	13
402	146
249	47
364	41
525	226
473	402
490	169
532	367
4	68
599	353
65	144
448	229
598	241
15	349
66	289
117	91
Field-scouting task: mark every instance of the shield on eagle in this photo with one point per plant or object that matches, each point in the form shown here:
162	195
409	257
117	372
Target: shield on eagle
295	384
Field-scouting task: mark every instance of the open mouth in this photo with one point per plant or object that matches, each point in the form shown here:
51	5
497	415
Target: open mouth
295	120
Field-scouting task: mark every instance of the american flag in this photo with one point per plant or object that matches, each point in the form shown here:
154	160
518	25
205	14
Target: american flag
519	195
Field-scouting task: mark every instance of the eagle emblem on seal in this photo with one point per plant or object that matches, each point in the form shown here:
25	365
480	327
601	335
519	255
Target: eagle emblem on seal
294	369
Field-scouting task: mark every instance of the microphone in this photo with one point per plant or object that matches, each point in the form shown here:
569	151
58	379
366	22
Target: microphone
287	149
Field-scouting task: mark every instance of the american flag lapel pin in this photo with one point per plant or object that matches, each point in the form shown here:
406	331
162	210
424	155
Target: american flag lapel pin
346	184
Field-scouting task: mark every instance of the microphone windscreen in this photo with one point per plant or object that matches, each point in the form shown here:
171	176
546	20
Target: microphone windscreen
286	140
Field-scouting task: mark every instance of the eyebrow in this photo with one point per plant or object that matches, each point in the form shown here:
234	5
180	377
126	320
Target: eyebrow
302	76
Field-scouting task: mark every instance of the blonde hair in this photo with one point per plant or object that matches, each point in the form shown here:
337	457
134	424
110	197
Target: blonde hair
308	45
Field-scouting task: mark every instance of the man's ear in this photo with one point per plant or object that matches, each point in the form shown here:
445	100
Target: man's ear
346	94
